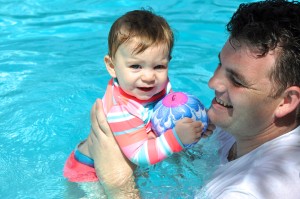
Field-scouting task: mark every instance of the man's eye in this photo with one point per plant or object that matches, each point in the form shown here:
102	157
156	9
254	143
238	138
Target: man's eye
135	66
236	82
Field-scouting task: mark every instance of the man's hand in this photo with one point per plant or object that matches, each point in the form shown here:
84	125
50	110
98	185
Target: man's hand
113	169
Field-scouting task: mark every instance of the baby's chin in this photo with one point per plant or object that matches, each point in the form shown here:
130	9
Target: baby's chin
144	95
143	98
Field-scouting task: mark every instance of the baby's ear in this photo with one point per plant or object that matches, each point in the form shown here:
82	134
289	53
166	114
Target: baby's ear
110	66
290	102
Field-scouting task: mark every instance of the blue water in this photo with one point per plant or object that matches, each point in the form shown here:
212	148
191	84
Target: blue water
51	72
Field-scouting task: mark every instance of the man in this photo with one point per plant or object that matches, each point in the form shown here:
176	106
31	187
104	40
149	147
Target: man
257	101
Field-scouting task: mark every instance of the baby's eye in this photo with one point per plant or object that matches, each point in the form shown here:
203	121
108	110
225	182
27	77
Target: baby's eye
136	66
160	67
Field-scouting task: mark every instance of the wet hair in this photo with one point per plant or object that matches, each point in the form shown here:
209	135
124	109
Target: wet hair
266	26
149	28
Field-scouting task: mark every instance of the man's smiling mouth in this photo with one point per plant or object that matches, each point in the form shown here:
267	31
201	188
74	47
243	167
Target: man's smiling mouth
221	102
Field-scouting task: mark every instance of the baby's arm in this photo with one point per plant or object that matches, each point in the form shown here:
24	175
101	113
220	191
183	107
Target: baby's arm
130	133
151	151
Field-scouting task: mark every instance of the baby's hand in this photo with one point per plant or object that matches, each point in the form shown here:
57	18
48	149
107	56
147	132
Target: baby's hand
188	130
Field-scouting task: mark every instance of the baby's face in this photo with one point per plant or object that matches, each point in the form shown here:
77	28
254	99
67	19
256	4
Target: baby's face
141	75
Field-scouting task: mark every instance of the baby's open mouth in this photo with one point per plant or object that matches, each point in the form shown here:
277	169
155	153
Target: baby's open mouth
145	88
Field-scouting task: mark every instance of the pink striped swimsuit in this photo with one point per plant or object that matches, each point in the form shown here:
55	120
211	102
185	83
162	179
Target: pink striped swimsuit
129	119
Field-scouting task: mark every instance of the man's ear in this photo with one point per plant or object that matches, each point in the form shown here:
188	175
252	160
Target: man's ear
290	102
110	66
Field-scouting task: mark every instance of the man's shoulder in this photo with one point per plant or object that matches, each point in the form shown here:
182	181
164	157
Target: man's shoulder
270	171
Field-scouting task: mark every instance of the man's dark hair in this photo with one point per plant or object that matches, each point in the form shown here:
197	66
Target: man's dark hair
268	25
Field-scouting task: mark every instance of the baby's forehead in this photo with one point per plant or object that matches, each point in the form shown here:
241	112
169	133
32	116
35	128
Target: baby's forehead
137	45
135	50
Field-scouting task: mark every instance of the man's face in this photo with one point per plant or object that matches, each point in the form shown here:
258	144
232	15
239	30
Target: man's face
242	103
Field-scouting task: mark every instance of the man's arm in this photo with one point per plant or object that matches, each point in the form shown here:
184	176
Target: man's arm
114	170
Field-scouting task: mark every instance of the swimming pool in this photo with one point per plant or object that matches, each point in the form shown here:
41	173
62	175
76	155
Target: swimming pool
51	72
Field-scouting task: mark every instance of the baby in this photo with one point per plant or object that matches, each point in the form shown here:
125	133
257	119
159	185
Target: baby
140	46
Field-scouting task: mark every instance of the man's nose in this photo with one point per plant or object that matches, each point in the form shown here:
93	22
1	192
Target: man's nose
218	81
